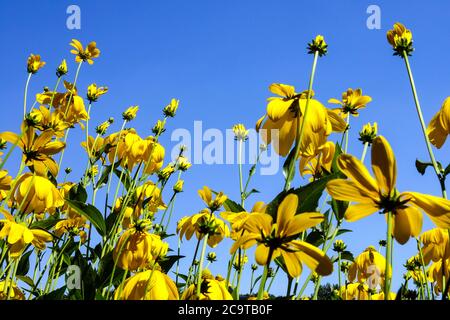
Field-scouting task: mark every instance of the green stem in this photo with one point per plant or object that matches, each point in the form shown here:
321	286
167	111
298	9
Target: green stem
200	266
422	262
25	95
339	269
388	268
264	276
300	129
363	156
241	186
347	130
439	175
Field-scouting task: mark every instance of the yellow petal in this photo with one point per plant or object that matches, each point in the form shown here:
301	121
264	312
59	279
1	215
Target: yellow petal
286	211
346	190
283	90
384	165
401	227
261	254
277	108
293	263
355	170
358	211
302	222
438	209
314	258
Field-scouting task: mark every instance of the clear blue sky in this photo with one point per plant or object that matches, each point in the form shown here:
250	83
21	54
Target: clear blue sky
219	57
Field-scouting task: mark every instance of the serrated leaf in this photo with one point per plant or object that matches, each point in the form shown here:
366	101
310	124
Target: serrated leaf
91	213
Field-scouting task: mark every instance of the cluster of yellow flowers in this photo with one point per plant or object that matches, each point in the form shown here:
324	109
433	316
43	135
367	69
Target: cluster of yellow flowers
121	248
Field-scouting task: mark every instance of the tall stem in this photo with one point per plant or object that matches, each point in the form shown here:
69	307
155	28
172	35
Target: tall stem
424	128
241	187
200	266
264	276
388	268
363	156
25	95
347	133
300	129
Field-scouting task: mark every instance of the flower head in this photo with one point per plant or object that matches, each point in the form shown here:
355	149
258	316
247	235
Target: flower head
368	265
352	101
62	69
82	54
171	109
318	45
276	238
436	245
400	39
94	92
368	133
211	289
34	63
178	186
240	133
130	113
213	204
5	184
379	194
103	127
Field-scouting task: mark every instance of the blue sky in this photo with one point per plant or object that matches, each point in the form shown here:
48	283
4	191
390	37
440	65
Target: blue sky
218	58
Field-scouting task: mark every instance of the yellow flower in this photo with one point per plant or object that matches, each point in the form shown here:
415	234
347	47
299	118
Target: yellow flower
439	127
284	114
211	289
316	158
158	129
339	246
171	108
132	150
36	194
436	245
318	45
95	92
96	147
178	186
380	194
275	239
240	132
238	219
368	133
154	156
354	291
352	101
380	296
45	119
183	163
148	285
62	69
436	273
202	223
239	262
101	128
213	204
137	248
5	184
368	266
19	236
82	54
36	149
34	63
130	113
73	226
400	39
15	293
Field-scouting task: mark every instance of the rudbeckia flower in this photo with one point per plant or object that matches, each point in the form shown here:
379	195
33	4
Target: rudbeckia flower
439	127
437	272
368	133
352	101
94	92
19	236
34	63
211	289
148	285
37	149
369	265
45	119
5	184
36	194
380	195
317	159
284	114
202	223
73	226
171	108
400	39
213	204
15	292
137	248
354	291
436	245
277	238
130	113
238	219
82	54
96	147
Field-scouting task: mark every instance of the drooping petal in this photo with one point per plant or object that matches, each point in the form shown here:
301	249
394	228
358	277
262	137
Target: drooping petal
261	254
302	222
438	209
314	258
358	211
293	263
346	190
257	222
401	227
286	211
384	165
277	108
355	170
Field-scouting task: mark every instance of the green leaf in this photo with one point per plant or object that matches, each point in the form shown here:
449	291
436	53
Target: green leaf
78	193
422	166
337	153
339	208
310	194
315	237
447	170
103	180
248	193
125	178
57	294
26	279
232	206
342	231
287	164
24	264
91	213
46	224
168	262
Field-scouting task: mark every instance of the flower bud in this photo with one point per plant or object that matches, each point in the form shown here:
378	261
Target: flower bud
368	133
171	109
158	129
178	187
62	69
34	63
318	45
240	133
130	113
